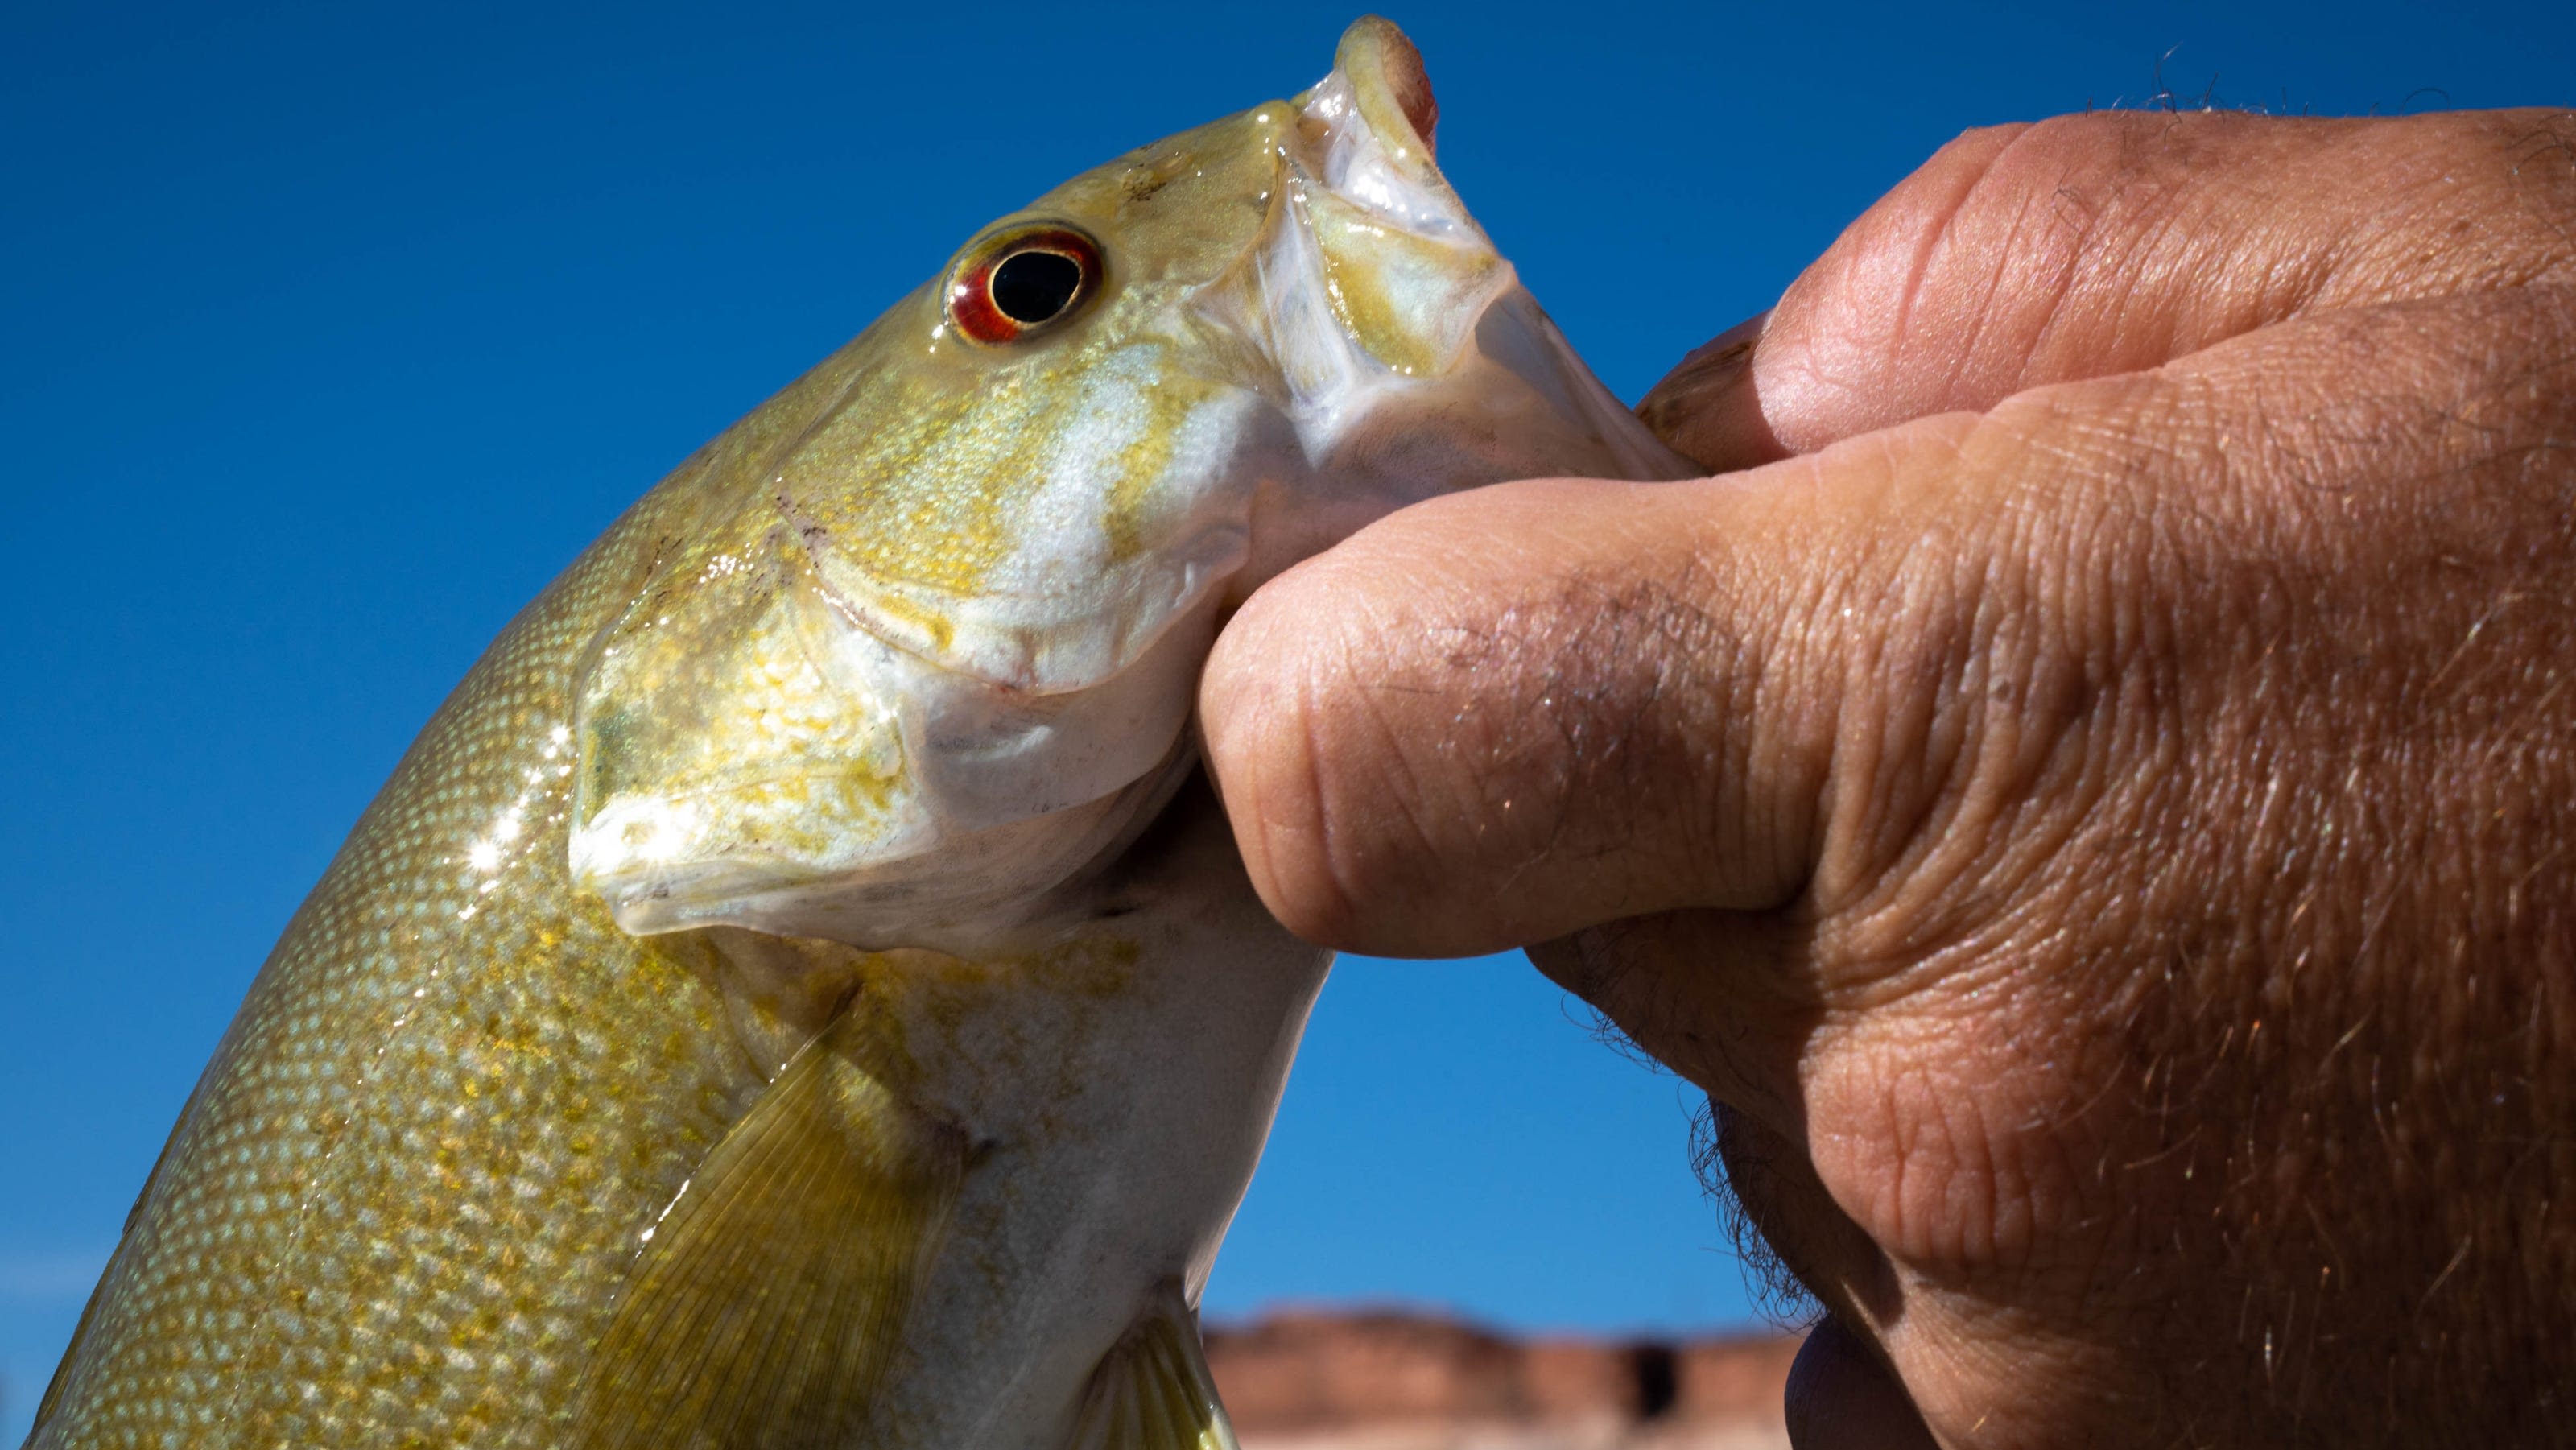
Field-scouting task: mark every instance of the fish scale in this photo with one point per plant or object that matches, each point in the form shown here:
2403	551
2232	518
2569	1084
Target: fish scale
798	992
422	1070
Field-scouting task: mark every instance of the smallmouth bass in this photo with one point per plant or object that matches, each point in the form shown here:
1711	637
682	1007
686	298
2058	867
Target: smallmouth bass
797	992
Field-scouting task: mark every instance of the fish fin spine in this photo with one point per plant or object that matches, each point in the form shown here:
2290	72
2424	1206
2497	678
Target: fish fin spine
1153	1390
766	1304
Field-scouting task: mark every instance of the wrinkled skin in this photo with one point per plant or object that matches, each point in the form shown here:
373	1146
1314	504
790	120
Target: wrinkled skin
2087	788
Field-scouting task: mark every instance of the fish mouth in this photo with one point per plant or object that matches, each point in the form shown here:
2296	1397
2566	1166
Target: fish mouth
1368	268
1405	270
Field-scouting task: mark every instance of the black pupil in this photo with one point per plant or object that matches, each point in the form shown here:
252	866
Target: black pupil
1034	286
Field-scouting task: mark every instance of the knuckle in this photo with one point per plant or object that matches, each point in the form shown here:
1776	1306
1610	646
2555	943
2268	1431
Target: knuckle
2005	694
2463	202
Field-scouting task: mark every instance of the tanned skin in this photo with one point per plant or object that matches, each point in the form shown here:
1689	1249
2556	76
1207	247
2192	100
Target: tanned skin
2088	786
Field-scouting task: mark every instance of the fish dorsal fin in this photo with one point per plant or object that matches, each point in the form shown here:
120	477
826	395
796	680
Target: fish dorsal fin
767	1301
1153	1391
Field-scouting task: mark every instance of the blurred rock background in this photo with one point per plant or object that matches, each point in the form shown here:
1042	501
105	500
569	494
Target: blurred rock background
1396	1380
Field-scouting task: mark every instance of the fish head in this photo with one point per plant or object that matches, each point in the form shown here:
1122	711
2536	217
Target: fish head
928	650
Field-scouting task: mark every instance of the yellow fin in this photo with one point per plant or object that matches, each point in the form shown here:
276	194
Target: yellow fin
1153	1391
766	1302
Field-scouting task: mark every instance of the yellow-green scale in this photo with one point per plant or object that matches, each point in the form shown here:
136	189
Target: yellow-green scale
404	1195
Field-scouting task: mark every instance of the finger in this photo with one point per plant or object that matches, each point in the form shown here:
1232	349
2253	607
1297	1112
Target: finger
1503	715
2085	246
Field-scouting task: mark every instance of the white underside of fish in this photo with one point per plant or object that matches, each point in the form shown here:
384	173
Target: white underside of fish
1114	1141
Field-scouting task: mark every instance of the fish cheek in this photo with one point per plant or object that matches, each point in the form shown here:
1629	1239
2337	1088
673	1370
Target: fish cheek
718	749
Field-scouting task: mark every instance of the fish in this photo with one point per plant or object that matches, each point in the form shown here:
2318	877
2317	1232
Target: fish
800	990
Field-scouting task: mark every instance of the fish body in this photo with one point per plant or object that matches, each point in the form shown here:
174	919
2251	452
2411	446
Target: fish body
797	991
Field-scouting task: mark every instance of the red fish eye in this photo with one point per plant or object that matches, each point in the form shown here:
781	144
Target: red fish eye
1023	282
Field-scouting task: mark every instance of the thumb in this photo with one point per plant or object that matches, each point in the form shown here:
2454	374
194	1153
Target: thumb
2086	246
1508	714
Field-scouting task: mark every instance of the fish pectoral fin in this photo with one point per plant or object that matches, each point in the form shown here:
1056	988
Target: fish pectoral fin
765	1305
1153	1391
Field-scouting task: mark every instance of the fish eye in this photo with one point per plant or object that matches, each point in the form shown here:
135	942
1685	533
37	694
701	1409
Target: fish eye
1021	282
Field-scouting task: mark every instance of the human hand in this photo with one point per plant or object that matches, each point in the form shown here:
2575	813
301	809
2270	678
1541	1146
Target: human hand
2092	794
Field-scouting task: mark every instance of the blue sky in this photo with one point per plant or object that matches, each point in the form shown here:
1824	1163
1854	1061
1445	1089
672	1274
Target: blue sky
329	333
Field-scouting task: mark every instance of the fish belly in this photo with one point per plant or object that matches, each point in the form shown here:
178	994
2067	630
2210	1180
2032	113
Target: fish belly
1118	1113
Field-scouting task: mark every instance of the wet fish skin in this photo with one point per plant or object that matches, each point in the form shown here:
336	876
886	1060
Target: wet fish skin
442	1114
846	775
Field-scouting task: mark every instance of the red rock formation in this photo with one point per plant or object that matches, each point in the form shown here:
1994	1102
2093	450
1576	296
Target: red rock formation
1393	1380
